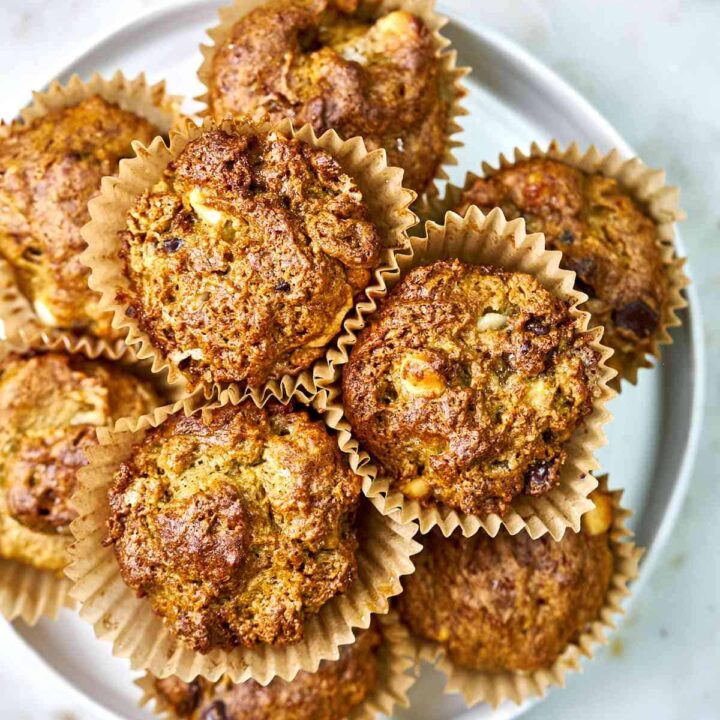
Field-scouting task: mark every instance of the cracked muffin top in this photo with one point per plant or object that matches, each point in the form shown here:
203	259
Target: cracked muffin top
236	524
52	405
49	169
510	603
466	385
605	236
331	693
337	65
245	258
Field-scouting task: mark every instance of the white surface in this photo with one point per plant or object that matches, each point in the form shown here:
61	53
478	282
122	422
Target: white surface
658	672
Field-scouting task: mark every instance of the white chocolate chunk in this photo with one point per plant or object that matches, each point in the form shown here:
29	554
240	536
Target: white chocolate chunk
491	321
419	378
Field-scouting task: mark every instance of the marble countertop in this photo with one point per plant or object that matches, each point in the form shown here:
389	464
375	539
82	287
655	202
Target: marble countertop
652	68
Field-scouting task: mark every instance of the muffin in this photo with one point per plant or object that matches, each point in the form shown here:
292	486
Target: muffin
607	238
49	169
237	524
52	405
244	259
510	603
466	385
331	693
339	66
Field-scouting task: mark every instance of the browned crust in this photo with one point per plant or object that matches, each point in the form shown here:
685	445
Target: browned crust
49	168
607	237
53	404
328	694
458	411
507	603
260	293
236	523
343	67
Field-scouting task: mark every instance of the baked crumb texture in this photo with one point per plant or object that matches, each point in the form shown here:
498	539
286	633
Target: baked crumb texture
52	405
236	523
244	259
340	66
49	168
331	693
608	238
507	603
466	385
505	618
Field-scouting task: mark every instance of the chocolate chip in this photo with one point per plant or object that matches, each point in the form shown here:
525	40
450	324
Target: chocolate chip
638	317
567	237
282	286
131	311
215	711
537	326
540	477
171	245
583	269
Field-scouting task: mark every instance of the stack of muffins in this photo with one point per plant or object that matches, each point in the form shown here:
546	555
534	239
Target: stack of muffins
281	447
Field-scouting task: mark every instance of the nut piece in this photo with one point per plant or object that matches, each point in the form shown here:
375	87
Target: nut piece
419	378
491	321
599	519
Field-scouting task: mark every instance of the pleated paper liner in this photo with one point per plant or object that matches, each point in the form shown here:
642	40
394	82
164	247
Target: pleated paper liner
645	185
452	75
151	102
27	592
396	659
15	310
494	688
491	240
137	633
388	203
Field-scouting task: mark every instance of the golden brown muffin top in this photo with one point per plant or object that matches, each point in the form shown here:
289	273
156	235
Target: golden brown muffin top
337	65
244	260
508	603
331	693
605	236
467	383
49	169
52	404
236	524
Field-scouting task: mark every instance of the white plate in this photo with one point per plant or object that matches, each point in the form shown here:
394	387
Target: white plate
513	101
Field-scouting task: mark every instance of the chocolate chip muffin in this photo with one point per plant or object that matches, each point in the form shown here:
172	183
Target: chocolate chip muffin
52	405
331	693
245	258
340	65
510	603
607	238
466	385
236	524
49	169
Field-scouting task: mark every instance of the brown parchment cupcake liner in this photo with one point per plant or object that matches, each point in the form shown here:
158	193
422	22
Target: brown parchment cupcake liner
644	184
25	591
15	310
151	102
396	658
491	240
388	203
452	75
494	688
129	623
